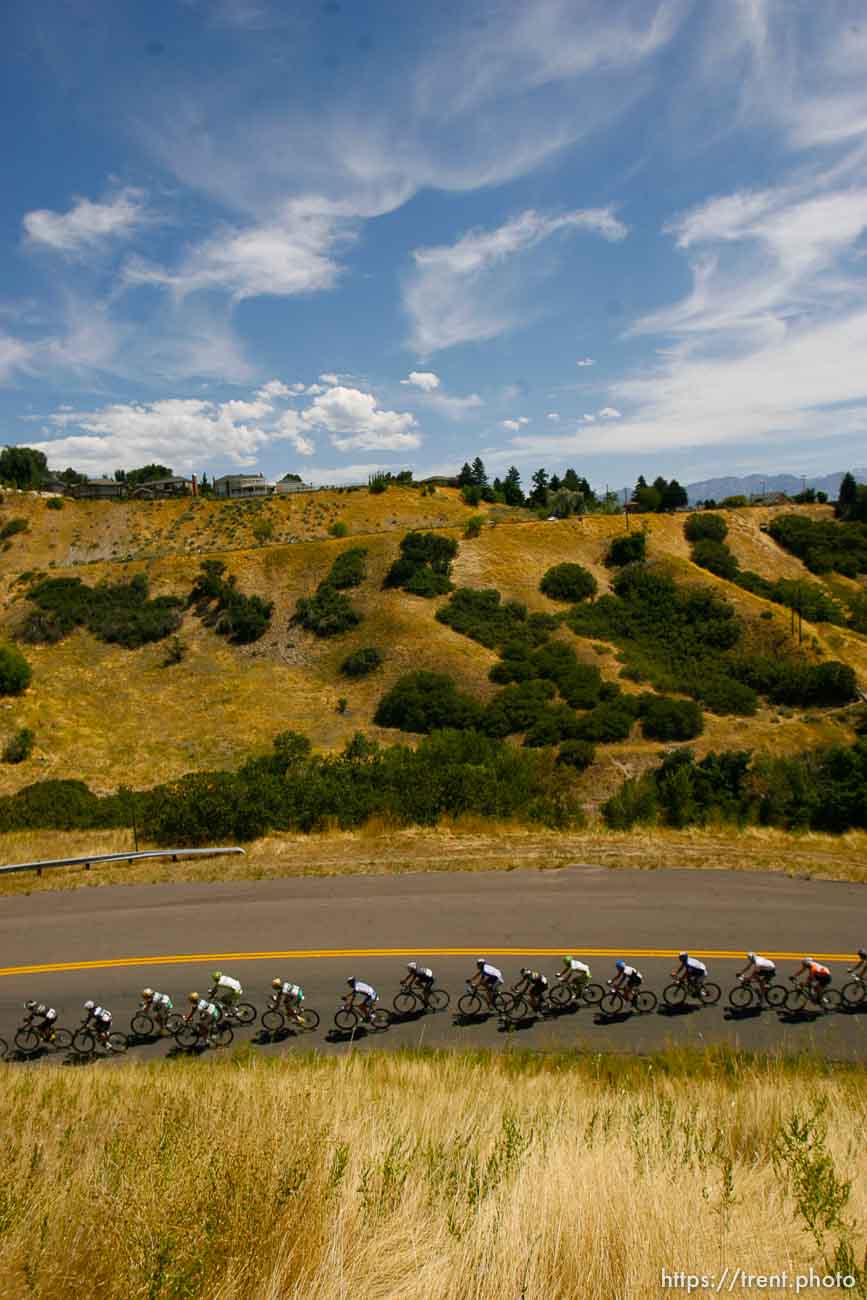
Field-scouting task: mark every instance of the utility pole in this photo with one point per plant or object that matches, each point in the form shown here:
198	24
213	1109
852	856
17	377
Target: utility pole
134	823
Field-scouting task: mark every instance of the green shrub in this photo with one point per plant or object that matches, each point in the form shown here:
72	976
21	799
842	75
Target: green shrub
425	582
715	557
635	801
425	701
482	616
54	503
326	613
11	527
569	582
120	614
630	548
610	721
15	671
338	528
19	747
243	619
176	652
516	708
700	526
667	719
263	530
824	545
553	724
423	555
349	569
361	662
579	754
378	483
473	526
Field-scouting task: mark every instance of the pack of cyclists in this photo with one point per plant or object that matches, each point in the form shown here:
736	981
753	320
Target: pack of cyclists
208	1013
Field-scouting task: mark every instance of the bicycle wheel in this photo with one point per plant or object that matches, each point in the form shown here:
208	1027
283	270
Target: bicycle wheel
84	1042
674	995
4	1047
560	995
117	1042
710	993
174	1020
796	999
61	1039
186	1037
741	997
28	1041
593	993
309	1018
611	1004
141	1025
245	1013
380	1018
832	999
346	1019
519	1009
777	995
504	1001
469	1004
645	1001
438	1000
853	993
405	1002
273	1020
223	1035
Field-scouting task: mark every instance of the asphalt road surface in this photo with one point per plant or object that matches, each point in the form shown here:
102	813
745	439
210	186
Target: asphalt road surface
107	943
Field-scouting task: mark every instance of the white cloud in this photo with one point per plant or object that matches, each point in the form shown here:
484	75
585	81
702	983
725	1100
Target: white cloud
426	380
609	413
553	416
329	379
87	224
352	419
352	473
514	425
274	388
14	355
585	361
456	293
453	408
288	427
590	419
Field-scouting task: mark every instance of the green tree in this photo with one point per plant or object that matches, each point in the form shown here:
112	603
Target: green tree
512	491
146	474
479	477
674	496
15	671
539	495
24	467
846	497
465	478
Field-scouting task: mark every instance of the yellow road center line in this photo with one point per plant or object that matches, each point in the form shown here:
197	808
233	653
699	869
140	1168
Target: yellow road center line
302	954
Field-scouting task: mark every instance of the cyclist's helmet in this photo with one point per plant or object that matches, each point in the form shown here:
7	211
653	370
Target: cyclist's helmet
862	953
412	965
620	964
751	956
193	997
682	956
808	961
525	970
276	984
41	1009
30	1006
480	961
567	957
89	1005
147	994
216	976
351	981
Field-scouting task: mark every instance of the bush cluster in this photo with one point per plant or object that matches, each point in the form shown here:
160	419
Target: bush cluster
484	617
328	612
15	671
11	527
120	614
705	526
629	548
569	582
424	565
361	662
19	747
217	601
824	545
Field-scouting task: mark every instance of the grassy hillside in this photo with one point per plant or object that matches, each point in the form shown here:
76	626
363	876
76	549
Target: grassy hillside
109	715
427	1177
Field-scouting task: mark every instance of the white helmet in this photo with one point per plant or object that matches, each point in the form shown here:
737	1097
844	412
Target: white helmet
808	961
480	961
147	994
412	965
751	956
89	1005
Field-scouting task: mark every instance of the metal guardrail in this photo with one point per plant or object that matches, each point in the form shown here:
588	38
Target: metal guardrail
89	858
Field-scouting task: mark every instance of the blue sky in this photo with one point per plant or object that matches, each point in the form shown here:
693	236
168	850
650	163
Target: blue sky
330	237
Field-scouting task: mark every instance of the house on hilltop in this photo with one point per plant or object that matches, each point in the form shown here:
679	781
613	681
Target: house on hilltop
99	489
164	487
242	485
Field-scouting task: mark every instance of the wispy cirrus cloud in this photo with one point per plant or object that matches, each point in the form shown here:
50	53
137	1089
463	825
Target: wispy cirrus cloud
87	225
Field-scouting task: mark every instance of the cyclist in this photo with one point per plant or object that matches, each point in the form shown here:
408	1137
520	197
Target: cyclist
760	970
627	980
691	970
534	984
40	1017
365	993
574	973
287	997
98	1019
814	976
487	979
158	1005
859	970
226	991
420	979
203	1015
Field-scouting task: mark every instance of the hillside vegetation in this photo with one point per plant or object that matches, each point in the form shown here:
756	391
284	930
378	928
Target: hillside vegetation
207	698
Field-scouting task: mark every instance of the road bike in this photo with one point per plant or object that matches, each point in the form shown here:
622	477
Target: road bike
86	1040
802	995
407	1000
567	994
276	1018
474	1003
189	1036
704	991
28	1039
753	993
348	1019
146	1023
615	1001
855	992
238	1013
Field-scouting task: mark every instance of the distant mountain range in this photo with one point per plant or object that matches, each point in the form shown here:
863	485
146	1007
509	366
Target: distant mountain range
716	489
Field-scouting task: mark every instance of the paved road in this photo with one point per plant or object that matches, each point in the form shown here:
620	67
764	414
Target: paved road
106	943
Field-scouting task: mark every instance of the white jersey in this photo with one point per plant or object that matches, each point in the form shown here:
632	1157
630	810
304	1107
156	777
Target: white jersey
695	967
423	973
578	967
763	963
161	1002
231	985
629	972
491	973
207	1009
366	990
292	991
102	1015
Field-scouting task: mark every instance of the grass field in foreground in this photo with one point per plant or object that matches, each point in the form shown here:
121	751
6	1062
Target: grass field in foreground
464	845
424	1177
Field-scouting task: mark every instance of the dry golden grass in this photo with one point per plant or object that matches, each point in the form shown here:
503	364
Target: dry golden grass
466	845
407	1177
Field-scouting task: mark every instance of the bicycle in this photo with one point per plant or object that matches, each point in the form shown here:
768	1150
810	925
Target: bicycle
85	1041
705	992
347	1019
567	994
28	1039
409	1000
239	1013
189	1036
145	1024
854	993
473	1003
747	994
642	1001
276	1018
800	995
